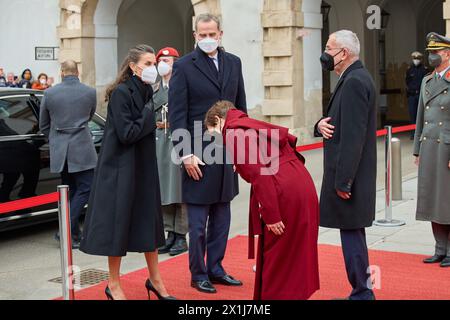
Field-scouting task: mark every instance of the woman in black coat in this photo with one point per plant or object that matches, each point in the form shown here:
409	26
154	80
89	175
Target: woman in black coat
124	212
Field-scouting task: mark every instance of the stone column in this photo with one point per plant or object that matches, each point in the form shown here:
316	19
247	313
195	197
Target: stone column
446	5
77	34
206	6
292	93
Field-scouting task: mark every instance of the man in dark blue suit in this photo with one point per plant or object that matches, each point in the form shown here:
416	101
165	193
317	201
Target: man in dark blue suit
200	79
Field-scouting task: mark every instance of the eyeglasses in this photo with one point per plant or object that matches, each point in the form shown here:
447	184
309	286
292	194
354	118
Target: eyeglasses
330	49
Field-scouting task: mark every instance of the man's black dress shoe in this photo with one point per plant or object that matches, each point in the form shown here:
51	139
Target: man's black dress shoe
75	242
204	286
434	259
169	243
445	263
180	246
226	280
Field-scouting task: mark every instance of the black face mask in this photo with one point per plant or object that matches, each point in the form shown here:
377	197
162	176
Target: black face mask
327	61
434	60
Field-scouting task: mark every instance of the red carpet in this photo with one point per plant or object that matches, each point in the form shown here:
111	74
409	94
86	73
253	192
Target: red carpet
403	277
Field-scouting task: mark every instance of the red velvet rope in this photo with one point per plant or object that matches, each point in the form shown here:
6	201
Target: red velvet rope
380	133
29	203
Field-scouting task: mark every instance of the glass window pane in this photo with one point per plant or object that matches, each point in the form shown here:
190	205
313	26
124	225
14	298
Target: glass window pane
17	117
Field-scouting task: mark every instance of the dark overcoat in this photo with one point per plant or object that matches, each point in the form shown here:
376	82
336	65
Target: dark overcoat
350	156
194	88
124	212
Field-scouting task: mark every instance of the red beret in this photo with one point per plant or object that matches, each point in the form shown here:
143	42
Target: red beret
167	52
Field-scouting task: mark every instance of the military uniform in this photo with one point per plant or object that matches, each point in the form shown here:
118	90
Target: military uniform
174	212
432	144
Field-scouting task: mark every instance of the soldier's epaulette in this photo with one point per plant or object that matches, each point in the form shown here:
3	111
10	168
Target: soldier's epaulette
447	76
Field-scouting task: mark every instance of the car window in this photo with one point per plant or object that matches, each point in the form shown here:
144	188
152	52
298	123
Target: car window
17	117
94	126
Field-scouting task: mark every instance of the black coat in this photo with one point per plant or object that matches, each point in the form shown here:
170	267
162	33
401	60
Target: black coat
414	78
124	212
350	157
194	88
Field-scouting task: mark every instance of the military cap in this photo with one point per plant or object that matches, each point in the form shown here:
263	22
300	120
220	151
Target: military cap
167	52
417	55
437	42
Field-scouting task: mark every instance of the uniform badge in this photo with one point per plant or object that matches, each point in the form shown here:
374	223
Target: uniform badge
447	76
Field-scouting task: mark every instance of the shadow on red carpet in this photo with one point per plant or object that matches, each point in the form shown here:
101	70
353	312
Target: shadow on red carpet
402	277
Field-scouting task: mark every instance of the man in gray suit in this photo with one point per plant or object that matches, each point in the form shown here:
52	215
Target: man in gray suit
66	110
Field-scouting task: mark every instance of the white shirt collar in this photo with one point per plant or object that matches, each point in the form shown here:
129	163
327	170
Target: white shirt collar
216	56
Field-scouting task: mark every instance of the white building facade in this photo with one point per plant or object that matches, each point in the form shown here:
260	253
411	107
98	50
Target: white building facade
279	42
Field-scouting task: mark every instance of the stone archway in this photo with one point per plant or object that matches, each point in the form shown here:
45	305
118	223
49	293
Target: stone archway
292	73
87	23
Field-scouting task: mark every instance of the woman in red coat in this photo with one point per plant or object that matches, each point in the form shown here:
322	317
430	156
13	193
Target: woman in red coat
284	208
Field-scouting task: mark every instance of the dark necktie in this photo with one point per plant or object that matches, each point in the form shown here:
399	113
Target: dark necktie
213	67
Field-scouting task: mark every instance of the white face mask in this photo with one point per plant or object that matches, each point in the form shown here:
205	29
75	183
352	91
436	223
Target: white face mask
208	45
416	62
43	82
164	69
149	75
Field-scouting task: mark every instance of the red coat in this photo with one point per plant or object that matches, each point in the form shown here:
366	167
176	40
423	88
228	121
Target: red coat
287	265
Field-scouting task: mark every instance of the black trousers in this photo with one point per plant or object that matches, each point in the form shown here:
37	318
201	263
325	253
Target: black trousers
10	179
413	104
79	187
356	256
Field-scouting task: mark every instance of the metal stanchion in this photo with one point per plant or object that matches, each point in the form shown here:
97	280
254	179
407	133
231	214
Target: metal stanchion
388	221
397	170
66	243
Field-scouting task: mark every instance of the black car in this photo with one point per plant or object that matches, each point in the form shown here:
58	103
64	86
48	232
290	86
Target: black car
25	159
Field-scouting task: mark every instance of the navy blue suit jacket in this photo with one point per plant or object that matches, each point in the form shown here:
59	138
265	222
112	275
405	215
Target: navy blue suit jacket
194	88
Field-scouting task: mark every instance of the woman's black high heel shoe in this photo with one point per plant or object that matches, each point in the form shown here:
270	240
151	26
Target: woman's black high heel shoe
109	294
151	288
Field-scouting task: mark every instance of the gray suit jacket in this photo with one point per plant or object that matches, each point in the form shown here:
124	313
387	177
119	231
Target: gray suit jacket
65	112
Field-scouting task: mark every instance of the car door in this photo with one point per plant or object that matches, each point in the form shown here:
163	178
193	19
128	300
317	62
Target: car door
25	158
22	171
